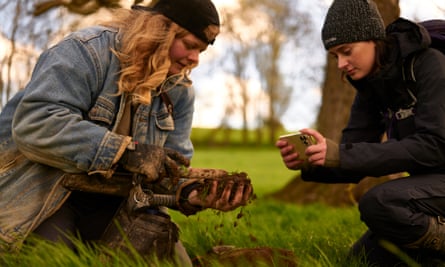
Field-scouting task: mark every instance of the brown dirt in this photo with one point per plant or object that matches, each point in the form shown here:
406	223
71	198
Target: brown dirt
260	256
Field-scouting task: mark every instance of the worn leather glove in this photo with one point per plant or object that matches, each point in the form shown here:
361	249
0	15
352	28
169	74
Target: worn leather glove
332	154
153	162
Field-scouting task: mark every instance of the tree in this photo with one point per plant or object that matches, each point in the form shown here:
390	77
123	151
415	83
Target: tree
82	7
333	116
30	26
19	35
277	24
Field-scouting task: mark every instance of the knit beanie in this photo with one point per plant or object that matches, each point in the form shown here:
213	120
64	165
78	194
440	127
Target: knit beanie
193	15
349	21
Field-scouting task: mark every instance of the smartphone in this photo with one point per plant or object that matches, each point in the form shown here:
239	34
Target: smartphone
299	141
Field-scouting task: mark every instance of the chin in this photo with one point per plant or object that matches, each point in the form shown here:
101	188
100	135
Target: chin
356	76
173	71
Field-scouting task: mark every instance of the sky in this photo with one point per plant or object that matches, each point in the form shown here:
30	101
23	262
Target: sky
306	97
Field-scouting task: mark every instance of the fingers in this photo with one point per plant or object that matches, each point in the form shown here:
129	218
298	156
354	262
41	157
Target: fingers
317	152
173	163
172	169
223	195
178	157
234	195
289	156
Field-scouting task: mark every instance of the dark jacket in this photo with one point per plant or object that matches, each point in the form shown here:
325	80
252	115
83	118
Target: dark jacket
415	144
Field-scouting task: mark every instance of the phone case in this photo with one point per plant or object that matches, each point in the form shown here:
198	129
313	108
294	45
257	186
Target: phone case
299	141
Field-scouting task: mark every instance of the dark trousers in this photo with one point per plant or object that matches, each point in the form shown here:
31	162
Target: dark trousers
84	215
398	211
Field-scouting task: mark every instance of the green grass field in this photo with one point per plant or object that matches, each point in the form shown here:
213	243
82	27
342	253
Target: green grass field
318	235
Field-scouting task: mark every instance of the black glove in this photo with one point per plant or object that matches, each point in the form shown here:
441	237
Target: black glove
153	161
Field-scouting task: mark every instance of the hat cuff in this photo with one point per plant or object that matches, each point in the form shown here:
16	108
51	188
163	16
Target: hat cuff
197	29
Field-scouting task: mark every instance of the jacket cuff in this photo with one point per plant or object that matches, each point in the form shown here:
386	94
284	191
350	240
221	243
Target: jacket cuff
111	150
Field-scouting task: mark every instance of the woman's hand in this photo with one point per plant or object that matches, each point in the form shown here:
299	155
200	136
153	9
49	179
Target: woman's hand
323	153
233	195
289	156
316	153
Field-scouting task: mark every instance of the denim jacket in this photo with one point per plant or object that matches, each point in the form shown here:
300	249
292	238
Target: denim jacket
64	121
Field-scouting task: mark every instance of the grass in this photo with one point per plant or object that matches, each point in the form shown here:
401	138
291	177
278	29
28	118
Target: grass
318	235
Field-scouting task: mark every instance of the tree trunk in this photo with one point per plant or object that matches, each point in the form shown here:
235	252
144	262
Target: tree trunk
333	116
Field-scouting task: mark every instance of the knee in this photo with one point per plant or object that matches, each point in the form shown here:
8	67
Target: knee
375	206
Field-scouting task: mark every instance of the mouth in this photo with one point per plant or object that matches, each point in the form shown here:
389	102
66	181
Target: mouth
351	72
181	65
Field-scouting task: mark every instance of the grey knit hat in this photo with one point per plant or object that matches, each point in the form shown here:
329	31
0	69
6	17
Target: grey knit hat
349	21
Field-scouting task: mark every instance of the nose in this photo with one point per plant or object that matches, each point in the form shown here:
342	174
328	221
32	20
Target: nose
194	56
342	62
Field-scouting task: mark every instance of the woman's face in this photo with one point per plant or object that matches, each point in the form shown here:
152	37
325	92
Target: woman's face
184	53
355	59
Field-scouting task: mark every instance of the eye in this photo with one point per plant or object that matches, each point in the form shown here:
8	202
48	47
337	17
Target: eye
192	44
347	52
189	45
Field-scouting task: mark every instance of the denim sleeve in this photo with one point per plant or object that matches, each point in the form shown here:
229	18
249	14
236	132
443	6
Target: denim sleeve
50	125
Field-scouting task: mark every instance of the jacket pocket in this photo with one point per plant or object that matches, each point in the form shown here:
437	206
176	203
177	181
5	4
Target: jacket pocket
164	121
102	113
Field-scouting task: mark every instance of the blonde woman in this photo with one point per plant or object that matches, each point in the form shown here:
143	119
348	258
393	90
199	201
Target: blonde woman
107	98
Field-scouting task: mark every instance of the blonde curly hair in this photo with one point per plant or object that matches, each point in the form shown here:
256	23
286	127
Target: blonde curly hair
144	53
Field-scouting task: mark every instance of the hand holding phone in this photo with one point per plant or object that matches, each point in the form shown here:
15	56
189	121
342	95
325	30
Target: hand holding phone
300	142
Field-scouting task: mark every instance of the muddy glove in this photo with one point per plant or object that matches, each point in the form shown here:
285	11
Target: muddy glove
153	162
224	194
332	154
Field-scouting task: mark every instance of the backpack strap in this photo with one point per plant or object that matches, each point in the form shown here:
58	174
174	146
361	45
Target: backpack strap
409	78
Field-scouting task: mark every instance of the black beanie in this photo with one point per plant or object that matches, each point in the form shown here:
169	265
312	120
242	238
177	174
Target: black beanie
193	15
349	21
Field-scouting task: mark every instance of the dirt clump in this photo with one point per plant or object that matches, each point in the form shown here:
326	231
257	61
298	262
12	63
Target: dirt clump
260	256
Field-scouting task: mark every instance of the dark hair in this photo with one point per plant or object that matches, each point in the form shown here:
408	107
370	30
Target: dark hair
382	53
